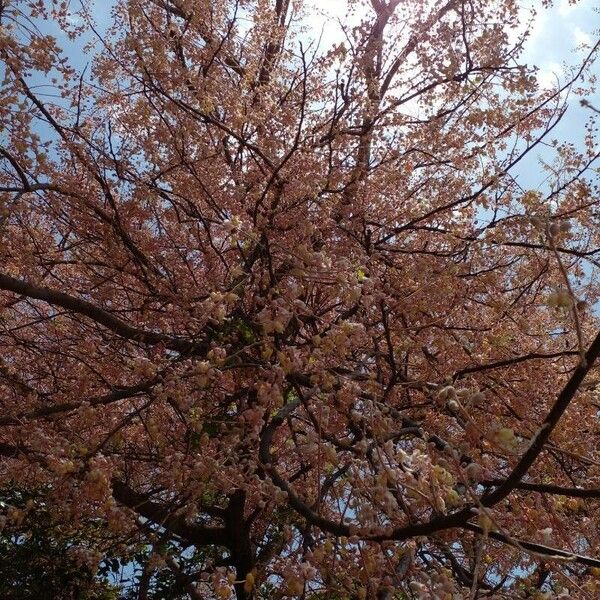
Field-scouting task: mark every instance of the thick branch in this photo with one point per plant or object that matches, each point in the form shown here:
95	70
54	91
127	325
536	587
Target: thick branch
537	548
459	518
48	411
547	427
546	488
512	361
97	314
198	535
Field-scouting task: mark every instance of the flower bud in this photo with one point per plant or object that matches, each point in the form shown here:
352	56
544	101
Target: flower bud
554	229
453	405
447	393
537	222
565	227
474	471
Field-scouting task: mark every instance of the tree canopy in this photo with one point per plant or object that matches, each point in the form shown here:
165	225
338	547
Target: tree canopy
278	319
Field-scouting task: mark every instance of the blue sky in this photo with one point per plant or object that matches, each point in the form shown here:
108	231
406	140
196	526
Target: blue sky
556	43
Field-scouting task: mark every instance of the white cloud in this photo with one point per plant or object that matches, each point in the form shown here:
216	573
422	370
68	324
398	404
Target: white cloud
565	7
550	74
538	30
581	38
327	20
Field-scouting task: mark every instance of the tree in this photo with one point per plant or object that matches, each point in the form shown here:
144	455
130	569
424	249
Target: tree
283	316
40	559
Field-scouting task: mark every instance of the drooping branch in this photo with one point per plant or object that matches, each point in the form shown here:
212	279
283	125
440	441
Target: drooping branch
56	409
295	501
98	315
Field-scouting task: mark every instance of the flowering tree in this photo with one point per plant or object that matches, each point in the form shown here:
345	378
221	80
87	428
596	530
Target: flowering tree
283	316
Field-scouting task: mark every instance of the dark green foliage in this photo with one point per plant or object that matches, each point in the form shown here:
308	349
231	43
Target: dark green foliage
36	558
